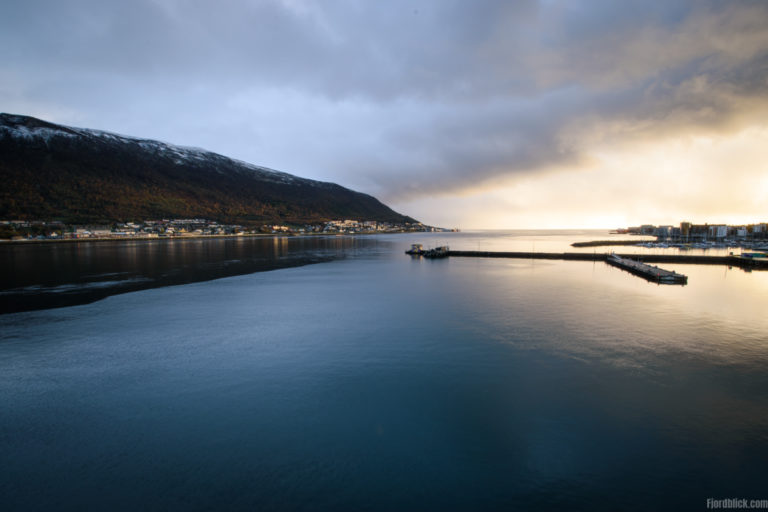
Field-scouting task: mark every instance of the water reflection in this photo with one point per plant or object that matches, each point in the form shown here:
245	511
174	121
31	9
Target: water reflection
560	241
581	307
38	276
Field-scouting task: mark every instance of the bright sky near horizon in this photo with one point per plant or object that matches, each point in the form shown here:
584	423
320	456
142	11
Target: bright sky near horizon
470	114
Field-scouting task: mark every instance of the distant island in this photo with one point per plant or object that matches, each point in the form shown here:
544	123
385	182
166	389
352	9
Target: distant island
78	177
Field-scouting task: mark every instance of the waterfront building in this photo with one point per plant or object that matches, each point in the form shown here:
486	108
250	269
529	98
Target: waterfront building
685	229
719	231
664	231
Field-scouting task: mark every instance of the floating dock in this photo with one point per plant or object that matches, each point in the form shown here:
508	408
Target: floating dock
646	271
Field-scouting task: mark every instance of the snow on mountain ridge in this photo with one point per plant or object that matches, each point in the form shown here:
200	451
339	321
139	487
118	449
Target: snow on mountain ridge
19	126
42	132
187	153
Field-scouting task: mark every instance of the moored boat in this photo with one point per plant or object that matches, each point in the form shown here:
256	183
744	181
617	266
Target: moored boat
416	250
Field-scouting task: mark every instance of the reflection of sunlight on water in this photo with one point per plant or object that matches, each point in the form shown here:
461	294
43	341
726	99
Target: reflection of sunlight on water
560	241
519	240
728	295
593	312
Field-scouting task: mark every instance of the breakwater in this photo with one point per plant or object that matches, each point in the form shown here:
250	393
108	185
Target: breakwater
731	261
606	243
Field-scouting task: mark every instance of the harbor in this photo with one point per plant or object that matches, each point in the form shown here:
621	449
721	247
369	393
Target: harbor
640	265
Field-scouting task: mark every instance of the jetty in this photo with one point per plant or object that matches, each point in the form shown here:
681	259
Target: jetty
646	271
638	264
687	259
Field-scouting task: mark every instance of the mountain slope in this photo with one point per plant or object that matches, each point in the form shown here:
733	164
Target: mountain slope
79	175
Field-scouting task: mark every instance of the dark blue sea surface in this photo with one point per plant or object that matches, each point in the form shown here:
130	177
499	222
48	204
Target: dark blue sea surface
374	381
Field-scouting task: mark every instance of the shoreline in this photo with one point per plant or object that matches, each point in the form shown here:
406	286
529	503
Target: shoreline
189	237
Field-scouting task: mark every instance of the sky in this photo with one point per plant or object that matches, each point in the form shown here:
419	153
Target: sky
470	114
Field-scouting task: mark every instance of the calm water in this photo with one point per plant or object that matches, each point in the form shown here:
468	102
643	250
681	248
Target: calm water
373	381
47	275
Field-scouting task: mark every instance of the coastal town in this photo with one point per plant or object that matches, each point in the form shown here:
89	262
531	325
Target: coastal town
698	236
21	230
687	231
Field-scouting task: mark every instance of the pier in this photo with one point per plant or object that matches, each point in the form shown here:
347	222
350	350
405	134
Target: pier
731	261
646	271
638	263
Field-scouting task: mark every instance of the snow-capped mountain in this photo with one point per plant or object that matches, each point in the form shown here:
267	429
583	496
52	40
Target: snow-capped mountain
51	171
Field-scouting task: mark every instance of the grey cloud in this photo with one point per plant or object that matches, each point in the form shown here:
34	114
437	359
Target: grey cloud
444	94
700	73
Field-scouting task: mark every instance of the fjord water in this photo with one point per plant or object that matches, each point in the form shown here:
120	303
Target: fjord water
374	381
38	276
